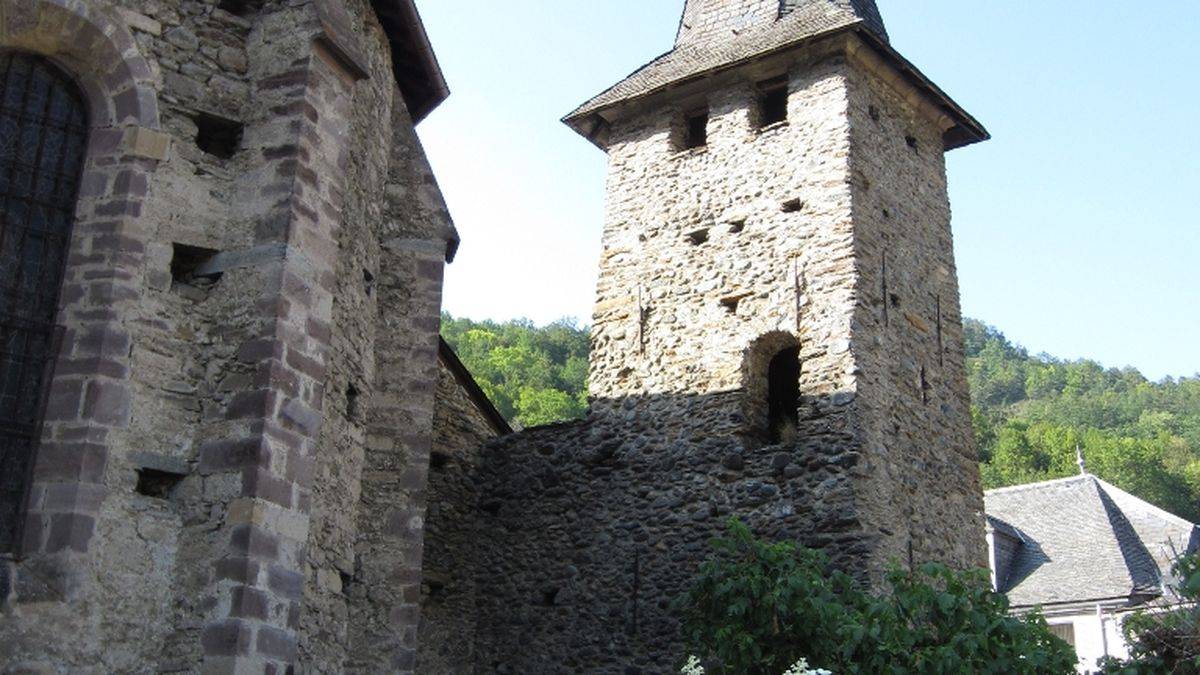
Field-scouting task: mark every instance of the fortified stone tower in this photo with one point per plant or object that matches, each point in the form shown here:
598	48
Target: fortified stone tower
777	204
776	336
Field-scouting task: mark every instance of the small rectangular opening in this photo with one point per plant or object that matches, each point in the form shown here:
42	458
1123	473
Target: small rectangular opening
187	262
188	266
695	133
698	237
242	8
217	136
157	484
772	101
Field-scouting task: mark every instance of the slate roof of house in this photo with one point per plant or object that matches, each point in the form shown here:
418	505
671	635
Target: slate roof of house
1082	540
806	21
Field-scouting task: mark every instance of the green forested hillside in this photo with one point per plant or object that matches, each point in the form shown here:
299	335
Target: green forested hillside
533	375
1029	411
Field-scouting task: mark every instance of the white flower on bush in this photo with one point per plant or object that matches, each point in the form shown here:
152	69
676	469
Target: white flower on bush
801	668
693	667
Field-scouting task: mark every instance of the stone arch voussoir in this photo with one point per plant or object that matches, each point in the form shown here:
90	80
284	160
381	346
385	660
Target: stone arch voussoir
96	49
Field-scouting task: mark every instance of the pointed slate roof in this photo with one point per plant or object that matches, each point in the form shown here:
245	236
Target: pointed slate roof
866	10
1082	540
789	25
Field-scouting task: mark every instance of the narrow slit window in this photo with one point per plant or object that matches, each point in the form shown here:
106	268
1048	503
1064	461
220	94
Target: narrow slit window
772	102
783	395
695	133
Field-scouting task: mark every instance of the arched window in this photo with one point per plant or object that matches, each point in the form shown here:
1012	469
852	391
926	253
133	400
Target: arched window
43	137
783	394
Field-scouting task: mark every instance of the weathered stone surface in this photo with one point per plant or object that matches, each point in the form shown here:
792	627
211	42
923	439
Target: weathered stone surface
828	233
197	495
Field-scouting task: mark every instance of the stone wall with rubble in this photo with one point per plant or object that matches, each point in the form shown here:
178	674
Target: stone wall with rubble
915	405
460	430
715	259
222	302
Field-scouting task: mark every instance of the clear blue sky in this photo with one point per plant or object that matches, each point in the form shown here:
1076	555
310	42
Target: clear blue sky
1076	226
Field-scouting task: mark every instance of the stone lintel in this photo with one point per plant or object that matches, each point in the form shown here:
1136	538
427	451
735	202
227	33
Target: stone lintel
250	257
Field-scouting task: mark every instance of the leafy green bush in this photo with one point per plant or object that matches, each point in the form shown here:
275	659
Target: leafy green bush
1165	642
757	607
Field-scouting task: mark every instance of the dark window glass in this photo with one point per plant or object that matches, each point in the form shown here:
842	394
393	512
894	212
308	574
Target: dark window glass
43	136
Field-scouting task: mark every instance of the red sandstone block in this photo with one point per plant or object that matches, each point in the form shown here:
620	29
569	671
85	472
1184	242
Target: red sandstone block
64	400
91	366
73	497
261	483
254	542
70	462
305	364
286	583
107	402
70	531
276	643
242	570
226	638
247	404
228	454
102	340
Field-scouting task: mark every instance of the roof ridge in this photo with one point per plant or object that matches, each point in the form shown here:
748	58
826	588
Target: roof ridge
1136	556
1032	486
1160	512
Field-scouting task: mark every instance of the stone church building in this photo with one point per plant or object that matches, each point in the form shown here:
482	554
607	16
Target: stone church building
231	440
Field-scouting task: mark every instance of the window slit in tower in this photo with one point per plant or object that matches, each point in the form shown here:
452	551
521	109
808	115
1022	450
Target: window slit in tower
695	130
772	101
783	395
883	290
941	355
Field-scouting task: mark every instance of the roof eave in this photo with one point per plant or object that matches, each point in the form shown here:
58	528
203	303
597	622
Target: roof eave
966	130
414	62
467	381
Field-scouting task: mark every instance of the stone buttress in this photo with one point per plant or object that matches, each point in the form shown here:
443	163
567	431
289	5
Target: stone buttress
230	474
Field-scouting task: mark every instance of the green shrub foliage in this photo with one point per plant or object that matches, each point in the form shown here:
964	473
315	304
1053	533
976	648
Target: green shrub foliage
757	607
1165	642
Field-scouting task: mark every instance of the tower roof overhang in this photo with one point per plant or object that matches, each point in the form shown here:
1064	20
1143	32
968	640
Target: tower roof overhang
689	68
414	63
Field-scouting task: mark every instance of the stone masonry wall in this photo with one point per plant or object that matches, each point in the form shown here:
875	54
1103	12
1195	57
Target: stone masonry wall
250	166
714	257
448	588
713	260
708	269
924	487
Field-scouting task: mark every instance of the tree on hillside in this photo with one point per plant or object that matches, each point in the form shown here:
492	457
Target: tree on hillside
533	375
1029	412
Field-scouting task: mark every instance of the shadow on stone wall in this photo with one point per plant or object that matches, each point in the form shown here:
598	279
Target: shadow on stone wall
582	533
